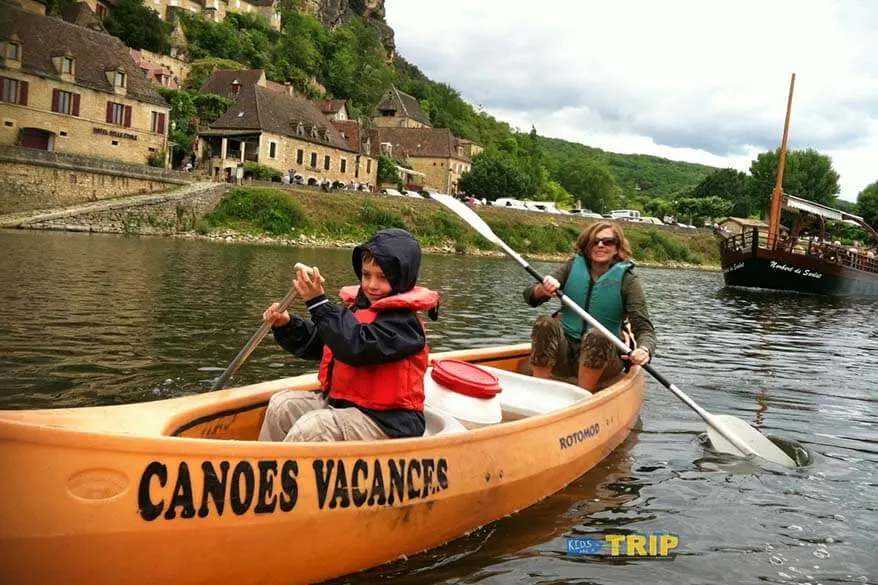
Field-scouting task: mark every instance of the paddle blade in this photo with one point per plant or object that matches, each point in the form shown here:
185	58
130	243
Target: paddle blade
468	215
761	445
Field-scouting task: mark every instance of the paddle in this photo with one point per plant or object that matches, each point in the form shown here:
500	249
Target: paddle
727	433
245	352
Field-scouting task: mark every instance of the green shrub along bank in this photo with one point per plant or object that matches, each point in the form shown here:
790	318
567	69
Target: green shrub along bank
291	213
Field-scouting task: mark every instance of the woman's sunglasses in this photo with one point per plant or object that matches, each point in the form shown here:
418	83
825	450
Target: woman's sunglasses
606	241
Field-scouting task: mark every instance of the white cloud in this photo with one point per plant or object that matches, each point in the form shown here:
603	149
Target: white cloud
687	80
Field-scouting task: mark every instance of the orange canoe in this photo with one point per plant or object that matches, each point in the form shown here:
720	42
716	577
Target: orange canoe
178	491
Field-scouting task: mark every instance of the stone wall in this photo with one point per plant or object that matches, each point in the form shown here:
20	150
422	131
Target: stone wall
164	214
36	179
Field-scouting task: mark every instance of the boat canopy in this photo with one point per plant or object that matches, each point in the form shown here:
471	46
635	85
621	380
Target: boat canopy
794	202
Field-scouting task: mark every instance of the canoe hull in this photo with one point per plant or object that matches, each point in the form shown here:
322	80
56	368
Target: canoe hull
97	507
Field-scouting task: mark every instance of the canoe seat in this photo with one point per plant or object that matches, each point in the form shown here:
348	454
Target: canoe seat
525	396
440	424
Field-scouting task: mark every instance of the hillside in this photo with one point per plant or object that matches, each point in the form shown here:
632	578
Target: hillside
635	173
343	49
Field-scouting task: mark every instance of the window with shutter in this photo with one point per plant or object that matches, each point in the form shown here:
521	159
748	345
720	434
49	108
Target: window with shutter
9	90
65	102
118	114
22	93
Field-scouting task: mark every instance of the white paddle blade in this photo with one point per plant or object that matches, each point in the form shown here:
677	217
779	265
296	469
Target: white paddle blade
761	445
466	214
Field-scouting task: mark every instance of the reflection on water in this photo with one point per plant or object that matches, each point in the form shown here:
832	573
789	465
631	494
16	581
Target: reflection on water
91	319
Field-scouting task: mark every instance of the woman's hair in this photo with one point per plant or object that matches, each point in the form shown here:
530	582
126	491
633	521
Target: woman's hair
585	242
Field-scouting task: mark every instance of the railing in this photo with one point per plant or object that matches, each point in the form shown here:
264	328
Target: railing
751	240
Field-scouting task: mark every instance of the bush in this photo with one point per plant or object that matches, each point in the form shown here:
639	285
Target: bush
267	210
157	159
373	219
260	172
659	247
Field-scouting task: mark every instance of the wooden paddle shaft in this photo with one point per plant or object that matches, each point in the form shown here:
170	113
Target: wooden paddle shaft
258	336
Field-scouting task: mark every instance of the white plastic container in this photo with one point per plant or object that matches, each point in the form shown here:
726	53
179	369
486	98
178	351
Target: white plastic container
463	391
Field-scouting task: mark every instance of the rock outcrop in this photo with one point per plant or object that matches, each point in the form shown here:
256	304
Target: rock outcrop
333	13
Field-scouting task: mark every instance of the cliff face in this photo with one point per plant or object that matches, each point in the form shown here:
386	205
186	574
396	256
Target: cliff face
333	13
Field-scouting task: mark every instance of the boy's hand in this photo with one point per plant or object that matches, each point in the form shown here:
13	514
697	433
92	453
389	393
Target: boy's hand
275	317
309	284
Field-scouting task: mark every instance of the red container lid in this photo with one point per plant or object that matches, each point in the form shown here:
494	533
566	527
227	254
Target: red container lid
465	378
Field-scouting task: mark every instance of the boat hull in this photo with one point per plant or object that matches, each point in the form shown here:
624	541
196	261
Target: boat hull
148	494
779	270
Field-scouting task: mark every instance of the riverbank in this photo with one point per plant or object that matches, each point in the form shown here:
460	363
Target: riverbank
305	217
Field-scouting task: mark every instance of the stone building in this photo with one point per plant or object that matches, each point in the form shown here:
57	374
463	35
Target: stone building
214	10
433	152
271	125
75	90
335	110
397	109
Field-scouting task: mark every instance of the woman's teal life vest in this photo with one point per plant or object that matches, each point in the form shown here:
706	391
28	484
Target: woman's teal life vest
601	299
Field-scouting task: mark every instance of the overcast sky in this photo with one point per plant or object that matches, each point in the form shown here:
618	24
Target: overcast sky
687	80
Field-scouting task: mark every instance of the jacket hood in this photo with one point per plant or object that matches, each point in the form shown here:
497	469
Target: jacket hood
397	253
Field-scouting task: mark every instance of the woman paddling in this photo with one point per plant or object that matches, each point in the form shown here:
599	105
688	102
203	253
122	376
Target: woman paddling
600	278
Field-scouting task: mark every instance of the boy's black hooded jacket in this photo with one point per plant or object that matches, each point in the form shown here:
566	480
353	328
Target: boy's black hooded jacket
394	335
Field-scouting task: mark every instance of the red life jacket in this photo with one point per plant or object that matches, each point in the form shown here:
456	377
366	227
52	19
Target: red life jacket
396	384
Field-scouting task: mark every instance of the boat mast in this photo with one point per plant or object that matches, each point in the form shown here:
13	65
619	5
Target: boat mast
777	194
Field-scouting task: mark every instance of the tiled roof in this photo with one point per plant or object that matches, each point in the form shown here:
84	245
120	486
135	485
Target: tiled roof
258	108
329	106
43	37
220	83
353	133
403	105
81	14
414	142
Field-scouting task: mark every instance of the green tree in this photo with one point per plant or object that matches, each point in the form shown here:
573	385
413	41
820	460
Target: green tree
387	171
210	39
553	191
659	207
591	183
729	184
494	175
807	174
698	209
139	27
867	204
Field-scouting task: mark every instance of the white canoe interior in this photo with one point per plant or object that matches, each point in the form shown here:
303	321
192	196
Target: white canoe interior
521	396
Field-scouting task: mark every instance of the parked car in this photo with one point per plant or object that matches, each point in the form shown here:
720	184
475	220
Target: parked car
393	192
625	214
652	220
586	213
509	202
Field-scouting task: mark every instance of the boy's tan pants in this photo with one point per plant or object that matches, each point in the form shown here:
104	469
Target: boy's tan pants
296	416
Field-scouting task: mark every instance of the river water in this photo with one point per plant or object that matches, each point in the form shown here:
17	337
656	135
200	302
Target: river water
100	319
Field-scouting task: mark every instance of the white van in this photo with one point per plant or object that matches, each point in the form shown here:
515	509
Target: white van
509	202
625	214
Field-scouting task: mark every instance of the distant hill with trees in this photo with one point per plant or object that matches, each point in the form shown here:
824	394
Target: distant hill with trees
350	62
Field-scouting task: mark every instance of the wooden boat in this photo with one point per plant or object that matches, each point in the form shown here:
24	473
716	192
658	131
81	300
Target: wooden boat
768	259
178	491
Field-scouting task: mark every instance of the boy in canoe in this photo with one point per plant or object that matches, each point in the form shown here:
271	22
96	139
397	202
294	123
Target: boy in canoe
373	351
